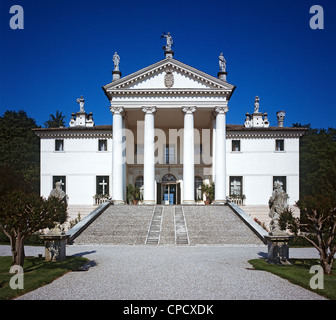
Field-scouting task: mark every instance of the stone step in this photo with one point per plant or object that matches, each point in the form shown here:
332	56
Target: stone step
181	234
168	225
154	230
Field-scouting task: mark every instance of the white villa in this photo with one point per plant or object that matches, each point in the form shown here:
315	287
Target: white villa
169	135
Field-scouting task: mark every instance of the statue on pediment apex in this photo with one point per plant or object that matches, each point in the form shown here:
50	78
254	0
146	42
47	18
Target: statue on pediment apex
169	41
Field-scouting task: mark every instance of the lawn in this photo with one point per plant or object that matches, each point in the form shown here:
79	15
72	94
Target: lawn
37	272
298	273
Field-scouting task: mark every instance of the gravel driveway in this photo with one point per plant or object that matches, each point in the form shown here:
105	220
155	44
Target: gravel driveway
170	272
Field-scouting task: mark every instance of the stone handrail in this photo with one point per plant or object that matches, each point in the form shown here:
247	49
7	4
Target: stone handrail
254	226
78	228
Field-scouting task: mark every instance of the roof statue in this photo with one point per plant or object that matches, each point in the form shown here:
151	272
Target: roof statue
116	61
169	41
81	104
222	63
256	104
257	118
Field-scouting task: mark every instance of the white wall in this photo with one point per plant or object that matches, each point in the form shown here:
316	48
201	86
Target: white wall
258	162
80	162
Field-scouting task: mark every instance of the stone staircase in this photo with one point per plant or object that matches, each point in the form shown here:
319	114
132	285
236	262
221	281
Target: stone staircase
261	213
168	225
181	233
74	210
154	231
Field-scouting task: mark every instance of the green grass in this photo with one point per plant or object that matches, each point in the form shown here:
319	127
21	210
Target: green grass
298	273
37	272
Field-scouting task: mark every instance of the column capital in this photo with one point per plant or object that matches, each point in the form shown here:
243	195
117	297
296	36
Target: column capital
149	110
221	110
117	110
189	110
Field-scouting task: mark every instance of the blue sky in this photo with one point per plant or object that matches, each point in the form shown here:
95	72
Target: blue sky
65	50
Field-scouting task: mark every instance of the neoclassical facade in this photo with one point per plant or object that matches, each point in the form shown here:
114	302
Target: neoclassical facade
170	135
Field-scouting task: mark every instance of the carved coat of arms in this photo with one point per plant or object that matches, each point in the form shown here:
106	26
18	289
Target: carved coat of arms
169	79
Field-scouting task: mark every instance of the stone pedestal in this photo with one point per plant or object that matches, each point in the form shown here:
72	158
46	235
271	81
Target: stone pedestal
222	75
55	246
278	249
169	53
116	75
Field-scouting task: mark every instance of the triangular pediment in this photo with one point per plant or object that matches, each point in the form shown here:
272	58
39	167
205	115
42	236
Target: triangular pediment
168	74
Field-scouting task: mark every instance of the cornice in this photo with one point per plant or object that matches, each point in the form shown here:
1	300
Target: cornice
74	135
264	135
169	92
122	84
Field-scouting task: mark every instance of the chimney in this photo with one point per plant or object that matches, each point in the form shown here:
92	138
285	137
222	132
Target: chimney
280	117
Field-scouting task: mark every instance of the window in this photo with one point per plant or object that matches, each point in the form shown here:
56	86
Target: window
168	178
59	145
169	154
282	180
235	145
102	185
280	145
198	188
236	186
60	179
102	145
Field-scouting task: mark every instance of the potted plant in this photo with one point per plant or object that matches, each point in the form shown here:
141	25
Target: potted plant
133	194
209	191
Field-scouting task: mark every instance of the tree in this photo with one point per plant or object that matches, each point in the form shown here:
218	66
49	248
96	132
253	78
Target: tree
55	121
317	222
22	214
318	163
20	147
317	225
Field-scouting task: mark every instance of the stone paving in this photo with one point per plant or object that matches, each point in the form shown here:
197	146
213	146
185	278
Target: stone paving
170	272
213	266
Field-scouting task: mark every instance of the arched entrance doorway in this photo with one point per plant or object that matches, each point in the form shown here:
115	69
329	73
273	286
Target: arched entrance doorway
170	190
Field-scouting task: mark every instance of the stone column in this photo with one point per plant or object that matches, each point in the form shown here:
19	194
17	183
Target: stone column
188	156
118	158
220	186
149	157
214	149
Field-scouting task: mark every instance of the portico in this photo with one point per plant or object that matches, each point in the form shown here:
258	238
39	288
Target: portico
163	124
